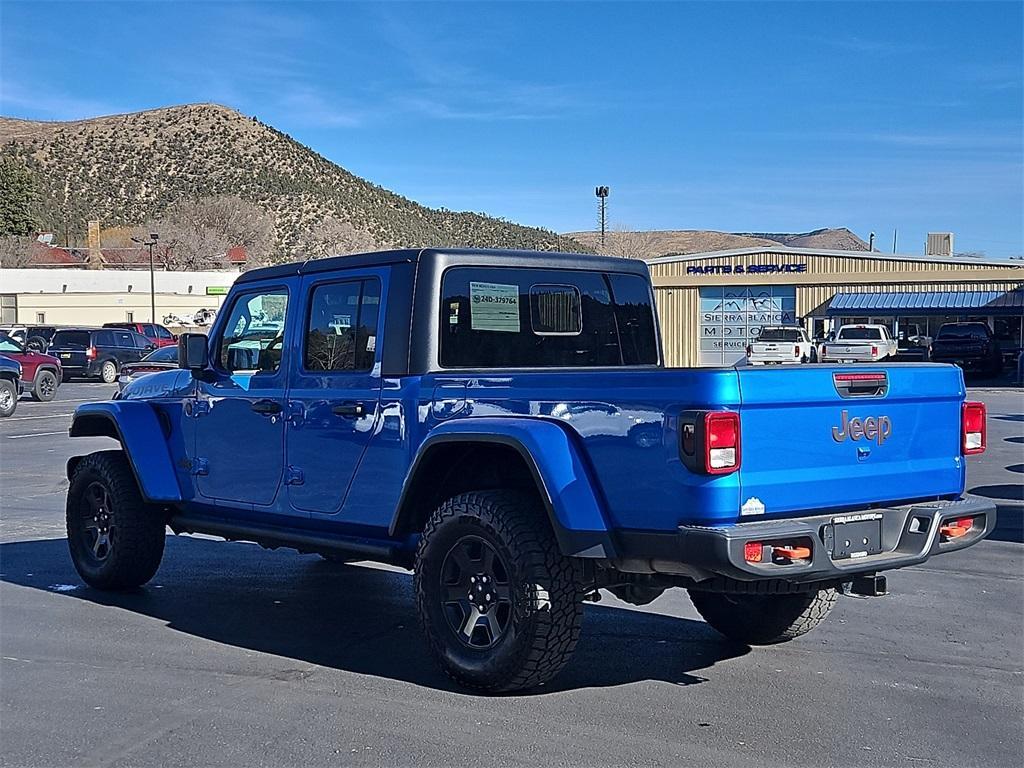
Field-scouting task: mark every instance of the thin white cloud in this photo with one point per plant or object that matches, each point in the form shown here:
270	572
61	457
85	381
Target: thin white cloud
38	103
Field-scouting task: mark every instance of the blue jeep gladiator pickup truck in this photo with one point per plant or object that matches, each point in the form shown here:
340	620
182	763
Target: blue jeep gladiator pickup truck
502	423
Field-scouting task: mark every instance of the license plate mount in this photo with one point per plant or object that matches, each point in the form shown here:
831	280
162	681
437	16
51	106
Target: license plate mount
854	537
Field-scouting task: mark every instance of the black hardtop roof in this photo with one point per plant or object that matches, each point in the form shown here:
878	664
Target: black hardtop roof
449	257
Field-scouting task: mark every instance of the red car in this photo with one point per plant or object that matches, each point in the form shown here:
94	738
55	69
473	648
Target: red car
156	333
40	372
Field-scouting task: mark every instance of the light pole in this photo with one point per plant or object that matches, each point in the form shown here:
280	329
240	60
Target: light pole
153	239
602	198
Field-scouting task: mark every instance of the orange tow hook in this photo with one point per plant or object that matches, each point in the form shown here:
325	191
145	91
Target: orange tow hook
954	529
792	553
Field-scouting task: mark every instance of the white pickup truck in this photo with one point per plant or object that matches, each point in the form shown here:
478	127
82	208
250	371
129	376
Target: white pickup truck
781	344
860	344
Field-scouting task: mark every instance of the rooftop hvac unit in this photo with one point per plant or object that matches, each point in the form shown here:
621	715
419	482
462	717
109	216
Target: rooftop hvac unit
939	244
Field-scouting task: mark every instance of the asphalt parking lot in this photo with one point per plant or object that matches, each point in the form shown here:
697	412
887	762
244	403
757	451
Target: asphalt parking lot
238	656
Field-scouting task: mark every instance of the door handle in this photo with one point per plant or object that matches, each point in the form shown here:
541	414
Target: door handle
349	410
267	407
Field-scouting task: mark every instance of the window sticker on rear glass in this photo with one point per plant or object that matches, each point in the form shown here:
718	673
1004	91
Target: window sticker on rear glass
494	307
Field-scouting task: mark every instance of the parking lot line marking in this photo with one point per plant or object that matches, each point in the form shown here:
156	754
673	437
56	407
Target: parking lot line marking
37	434
50	416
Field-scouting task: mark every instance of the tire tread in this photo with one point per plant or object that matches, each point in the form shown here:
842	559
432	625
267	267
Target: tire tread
764	619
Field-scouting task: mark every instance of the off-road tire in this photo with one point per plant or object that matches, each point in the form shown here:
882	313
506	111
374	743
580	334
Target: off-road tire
108	372
44	388
764	619
137	543
8	398
38	343
546	598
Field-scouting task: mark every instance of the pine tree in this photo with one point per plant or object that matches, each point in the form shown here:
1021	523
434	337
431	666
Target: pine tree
18	199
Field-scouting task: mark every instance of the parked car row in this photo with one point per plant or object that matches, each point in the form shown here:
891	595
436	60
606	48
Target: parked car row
40	373
35	359
90	352
970	345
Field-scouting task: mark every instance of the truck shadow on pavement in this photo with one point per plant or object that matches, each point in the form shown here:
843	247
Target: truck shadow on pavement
349	617
1009	509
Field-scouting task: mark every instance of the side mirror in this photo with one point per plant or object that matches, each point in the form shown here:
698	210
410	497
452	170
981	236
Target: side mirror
193	352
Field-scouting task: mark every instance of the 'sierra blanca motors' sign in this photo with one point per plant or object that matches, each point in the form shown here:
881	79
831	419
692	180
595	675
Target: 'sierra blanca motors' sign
739	269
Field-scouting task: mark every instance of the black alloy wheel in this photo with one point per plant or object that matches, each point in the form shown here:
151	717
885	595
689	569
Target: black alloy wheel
45	387
99	525
475	593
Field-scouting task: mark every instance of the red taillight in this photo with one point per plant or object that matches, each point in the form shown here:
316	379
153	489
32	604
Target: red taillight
796	351
874	351
972	429
90	353
752	551
722	442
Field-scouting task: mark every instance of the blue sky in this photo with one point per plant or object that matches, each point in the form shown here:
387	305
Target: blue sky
730	116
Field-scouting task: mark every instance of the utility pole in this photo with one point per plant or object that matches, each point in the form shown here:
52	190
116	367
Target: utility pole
153	239
602	206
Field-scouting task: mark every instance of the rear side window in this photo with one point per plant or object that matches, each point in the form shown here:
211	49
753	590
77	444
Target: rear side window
539	318
124	339
103	338
71	339
149	330
341	335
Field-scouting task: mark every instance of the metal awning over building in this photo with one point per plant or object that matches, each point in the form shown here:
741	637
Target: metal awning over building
926	303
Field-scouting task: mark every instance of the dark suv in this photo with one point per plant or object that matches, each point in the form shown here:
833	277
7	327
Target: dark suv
971	345
158	335
98	352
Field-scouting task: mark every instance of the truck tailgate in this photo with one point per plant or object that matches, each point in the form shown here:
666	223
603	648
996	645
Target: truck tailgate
808	443
774	352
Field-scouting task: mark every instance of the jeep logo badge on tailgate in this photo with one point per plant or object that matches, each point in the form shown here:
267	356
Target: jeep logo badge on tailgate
877	429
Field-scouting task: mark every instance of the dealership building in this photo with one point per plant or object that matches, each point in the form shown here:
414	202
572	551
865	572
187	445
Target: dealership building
713	304
74	296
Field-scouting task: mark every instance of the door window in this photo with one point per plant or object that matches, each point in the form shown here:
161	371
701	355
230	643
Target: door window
342	330
254	333
163	333
103	339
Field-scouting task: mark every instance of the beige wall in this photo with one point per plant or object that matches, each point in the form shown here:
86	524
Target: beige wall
99	308
677	296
